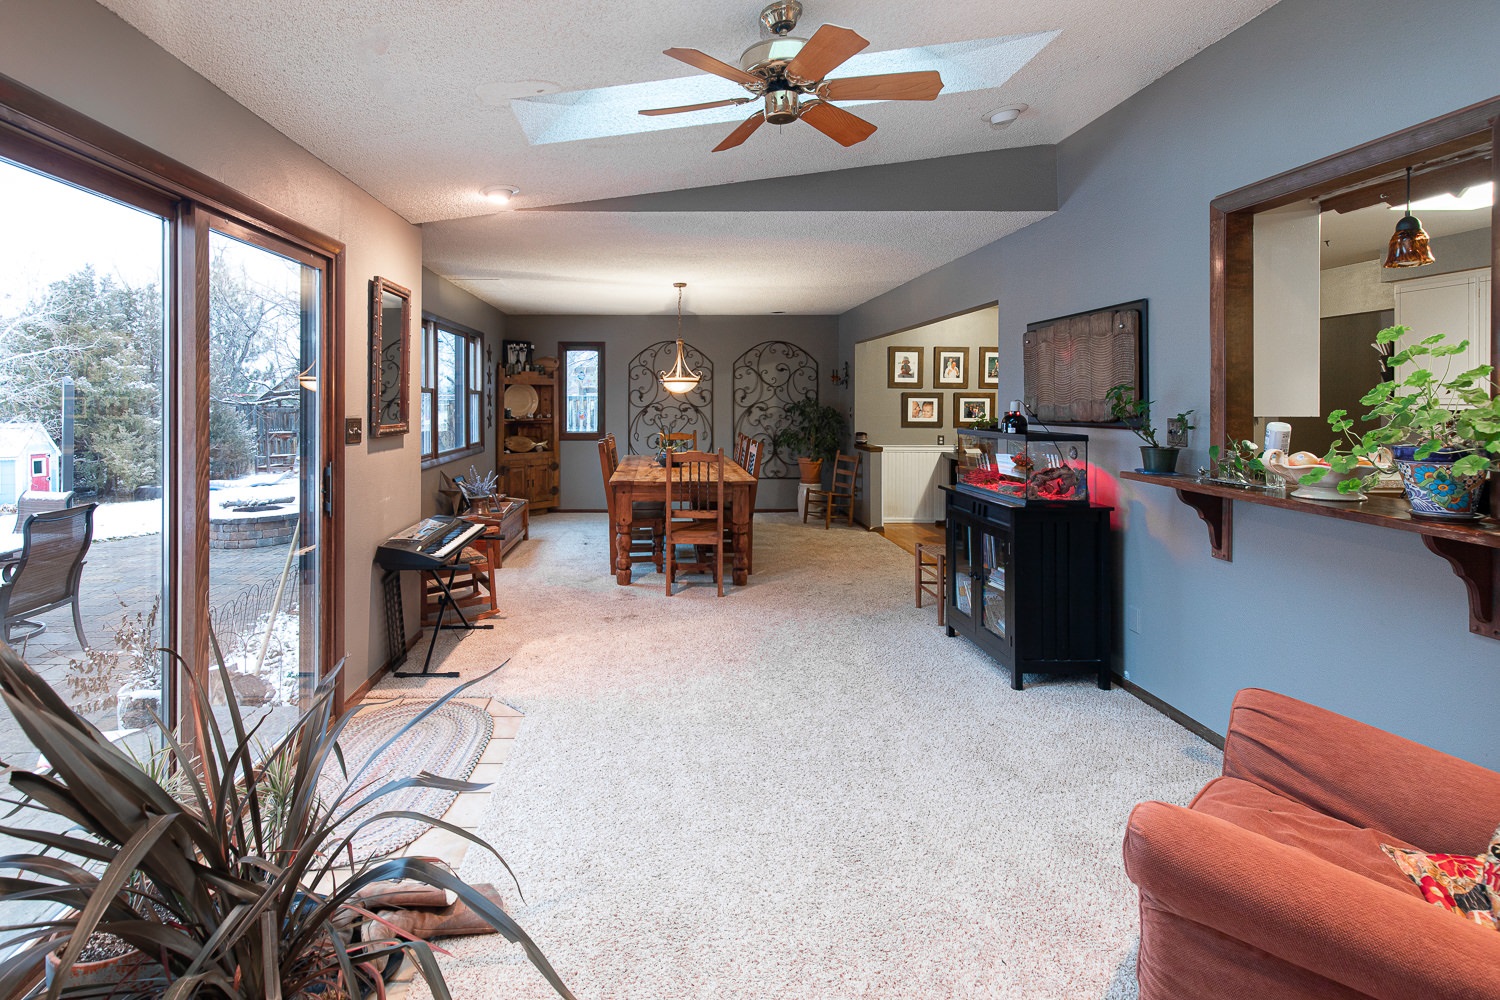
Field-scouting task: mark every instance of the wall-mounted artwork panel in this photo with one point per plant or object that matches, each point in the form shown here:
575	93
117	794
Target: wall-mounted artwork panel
1071	362
654	411
768	378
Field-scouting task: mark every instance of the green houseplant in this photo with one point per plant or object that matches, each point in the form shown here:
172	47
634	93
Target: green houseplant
1442	431
231	877
814	432
1128	408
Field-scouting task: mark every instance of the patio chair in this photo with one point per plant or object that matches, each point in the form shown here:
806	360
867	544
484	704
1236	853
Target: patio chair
36	501
47	575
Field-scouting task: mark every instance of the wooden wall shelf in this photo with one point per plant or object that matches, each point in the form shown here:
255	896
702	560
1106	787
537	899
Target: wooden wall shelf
1472	550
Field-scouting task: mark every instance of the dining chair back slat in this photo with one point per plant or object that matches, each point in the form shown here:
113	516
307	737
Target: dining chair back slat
680	441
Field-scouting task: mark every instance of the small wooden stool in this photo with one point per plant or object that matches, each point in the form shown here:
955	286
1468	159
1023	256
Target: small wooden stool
932	576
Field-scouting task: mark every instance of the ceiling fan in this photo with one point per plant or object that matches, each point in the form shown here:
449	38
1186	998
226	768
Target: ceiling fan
784	70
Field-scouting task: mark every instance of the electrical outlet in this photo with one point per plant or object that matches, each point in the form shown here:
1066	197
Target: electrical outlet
1177	433
941	439
1125	674
1133	618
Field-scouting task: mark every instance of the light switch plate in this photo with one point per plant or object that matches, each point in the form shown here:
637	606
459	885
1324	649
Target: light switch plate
354	430
1177	433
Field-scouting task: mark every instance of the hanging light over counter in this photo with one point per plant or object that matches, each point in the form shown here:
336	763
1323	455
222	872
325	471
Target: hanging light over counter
681	378
1409	243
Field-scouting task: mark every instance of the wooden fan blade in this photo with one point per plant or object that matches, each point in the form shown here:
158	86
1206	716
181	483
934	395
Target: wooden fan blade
696	107
836	123
921	86
824	52
708	64
741	133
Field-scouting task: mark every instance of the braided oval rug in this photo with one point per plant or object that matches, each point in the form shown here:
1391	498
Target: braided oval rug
448	742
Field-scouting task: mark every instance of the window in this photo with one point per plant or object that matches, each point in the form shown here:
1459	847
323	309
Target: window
583	390
452	387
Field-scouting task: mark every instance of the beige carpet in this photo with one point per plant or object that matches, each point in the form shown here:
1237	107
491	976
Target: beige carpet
803	789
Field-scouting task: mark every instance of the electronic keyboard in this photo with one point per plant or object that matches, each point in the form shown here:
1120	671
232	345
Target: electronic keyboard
430	544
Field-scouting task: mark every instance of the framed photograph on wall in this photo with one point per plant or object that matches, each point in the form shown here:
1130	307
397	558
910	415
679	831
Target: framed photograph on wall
921	409
969	408
903	368
989	368
950	367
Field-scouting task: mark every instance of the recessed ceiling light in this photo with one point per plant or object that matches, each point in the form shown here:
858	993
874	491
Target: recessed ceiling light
500	194
1002	117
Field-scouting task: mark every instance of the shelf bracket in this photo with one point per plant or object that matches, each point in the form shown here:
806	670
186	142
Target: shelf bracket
1478	567
1218	514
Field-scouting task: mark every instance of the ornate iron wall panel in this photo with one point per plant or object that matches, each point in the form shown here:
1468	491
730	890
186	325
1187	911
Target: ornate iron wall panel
767	379
654	410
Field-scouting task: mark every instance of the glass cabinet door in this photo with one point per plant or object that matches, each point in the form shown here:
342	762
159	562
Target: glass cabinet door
994	577
963	535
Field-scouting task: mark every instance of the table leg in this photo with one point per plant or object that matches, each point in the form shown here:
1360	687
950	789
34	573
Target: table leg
740	524
622	539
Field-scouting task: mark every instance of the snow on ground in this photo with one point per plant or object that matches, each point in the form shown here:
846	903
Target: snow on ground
133	518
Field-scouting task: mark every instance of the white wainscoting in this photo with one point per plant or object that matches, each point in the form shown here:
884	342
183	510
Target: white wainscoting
909	481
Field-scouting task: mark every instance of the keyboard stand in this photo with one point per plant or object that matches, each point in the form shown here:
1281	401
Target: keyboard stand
444	604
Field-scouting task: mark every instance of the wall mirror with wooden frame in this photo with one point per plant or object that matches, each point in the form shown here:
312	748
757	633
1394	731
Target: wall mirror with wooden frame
1299	290
390	375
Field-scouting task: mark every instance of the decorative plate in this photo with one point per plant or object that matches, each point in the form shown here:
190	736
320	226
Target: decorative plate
521	400
519	442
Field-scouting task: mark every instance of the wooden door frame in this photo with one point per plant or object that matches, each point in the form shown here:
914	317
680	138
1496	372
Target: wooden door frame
1231	229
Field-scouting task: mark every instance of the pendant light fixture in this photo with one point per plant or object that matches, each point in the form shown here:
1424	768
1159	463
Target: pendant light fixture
1409	243
681	378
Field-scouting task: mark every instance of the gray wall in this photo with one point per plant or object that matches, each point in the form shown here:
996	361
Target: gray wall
1359	619
80	54
721	338
877	407
445	300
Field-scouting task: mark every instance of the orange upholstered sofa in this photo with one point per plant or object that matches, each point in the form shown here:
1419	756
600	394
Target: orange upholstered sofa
1272	883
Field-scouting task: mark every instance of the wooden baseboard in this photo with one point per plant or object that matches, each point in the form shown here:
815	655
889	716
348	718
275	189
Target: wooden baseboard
1185	721
384	669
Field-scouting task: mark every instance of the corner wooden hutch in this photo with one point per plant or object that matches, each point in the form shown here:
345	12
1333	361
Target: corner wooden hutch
530	473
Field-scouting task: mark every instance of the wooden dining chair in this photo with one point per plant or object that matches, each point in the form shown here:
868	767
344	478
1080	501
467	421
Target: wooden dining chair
845	481
695	513
754	452
680	441
742	450
646	519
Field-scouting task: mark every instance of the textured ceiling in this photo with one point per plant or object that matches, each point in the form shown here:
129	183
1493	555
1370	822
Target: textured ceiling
735	263
411	98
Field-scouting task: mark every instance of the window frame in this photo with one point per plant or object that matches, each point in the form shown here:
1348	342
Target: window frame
471	390
564	348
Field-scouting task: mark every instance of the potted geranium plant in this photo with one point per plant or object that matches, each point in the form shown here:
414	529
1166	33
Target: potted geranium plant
815	433
1443	431
1127	407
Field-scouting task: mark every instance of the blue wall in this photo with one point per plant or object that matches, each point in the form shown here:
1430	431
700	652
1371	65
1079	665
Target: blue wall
1362	620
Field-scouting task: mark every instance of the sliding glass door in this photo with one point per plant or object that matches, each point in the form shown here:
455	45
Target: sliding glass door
265	458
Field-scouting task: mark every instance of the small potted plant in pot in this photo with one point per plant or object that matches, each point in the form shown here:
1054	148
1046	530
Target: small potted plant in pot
1443	431
815	433
1135	413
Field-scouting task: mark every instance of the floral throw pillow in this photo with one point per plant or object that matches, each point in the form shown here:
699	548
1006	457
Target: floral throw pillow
1464	885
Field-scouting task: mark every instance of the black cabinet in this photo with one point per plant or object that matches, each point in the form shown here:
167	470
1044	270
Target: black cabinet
1031	585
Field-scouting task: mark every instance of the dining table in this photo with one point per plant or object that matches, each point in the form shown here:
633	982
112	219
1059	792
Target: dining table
640	480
